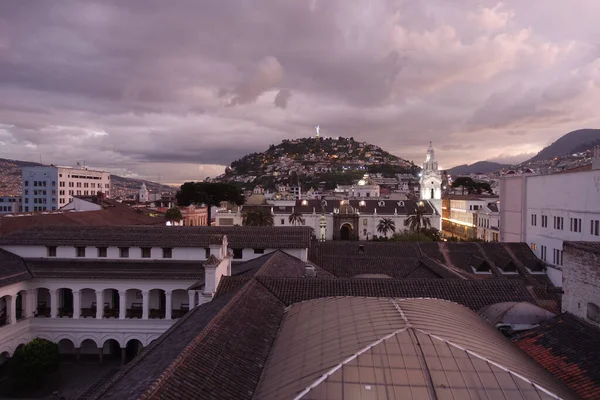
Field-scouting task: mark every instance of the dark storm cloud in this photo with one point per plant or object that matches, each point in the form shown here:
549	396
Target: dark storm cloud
144	85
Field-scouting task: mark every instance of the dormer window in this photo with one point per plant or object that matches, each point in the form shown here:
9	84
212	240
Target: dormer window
146	252
381	203
124	252
593	312
401	203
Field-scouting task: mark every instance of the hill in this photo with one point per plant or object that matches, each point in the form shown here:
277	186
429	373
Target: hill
573	142
482	167
314	162
10	181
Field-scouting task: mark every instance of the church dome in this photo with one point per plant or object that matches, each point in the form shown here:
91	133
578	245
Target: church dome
347	209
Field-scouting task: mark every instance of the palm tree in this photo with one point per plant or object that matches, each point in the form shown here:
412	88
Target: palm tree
258	217
417	220
386	225
296	218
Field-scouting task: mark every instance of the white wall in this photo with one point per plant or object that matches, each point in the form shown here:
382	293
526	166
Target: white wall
512	208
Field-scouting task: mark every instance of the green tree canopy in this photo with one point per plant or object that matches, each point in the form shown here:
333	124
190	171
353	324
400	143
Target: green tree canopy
258	217
296	218
211	194
471	186
34	361
173	214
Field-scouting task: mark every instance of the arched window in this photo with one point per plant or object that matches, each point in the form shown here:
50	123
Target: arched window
593	312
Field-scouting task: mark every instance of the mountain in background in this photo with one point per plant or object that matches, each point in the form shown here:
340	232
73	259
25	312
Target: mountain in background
314	162
573	142
10	181
481	167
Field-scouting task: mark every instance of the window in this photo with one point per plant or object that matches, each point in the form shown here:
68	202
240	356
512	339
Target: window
558	223
282	221
544	221
238	253
167	252
595	227
364	222
533	246
124	252
146	252
80	251
259	251
102	252
533	219
26	183
51	251
53	183
543	252
557	257
593	312
206	253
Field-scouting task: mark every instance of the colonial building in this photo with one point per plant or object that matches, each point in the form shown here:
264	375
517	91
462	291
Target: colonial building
461	215
545	210
97	290
488	222
335	219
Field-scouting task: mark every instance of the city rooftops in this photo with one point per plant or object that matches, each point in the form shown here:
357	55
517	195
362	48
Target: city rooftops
162	236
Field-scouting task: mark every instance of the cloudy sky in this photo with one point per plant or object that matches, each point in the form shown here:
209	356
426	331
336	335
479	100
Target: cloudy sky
179	89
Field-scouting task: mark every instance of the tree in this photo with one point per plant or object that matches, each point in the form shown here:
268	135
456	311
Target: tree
417	220
258	217
173	214
34	361
296	218
472	186
386	225
211	194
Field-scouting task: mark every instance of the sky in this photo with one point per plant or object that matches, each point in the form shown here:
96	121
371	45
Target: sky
175	91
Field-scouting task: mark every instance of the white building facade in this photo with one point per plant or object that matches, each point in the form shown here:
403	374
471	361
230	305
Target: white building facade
546	210
92	289
10	204
48	188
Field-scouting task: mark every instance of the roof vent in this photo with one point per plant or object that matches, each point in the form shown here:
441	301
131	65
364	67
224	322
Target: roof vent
310	271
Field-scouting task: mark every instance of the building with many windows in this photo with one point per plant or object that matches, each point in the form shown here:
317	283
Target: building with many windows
488	222
48	188
10	204
546	210
461	213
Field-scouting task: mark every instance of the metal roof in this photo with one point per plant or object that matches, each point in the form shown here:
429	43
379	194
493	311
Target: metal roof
386	348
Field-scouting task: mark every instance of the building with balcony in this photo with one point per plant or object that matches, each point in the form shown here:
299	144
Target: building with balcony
101	290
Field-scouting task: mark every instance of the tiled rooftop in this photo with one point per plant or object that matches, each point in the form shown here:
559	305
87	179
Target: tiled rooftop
570	349
12	269
162	236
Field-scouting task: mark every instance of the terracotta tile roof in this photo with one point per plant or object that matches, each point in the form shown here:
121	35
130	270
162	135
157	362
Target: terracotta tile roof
473	294
116	269
129	236
265	237
163	236
116	215
594	247
12	269
132	381
225	359
570	349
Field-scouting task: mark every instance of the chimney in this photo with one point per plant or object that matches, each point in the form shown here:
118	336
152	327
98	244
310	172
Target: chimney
310	271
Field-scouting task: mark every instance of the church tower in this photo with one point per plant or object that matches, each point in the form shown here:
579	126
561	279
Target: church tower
431	181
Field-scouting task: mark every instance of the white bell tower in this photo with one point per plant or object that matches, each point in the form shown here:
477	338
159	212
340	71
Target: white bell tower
431	181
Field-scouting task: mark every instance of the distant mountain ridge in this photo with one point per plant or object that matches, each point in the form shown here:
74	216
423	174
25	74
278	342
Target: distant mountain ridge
482	167
573	142
10	180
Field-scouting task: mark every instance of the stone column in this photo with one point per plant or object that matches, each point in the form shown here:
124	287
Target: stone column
13	309
123	356
31	306
192	298
76	304
99	304
168	305
122	304
146	304
53	303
